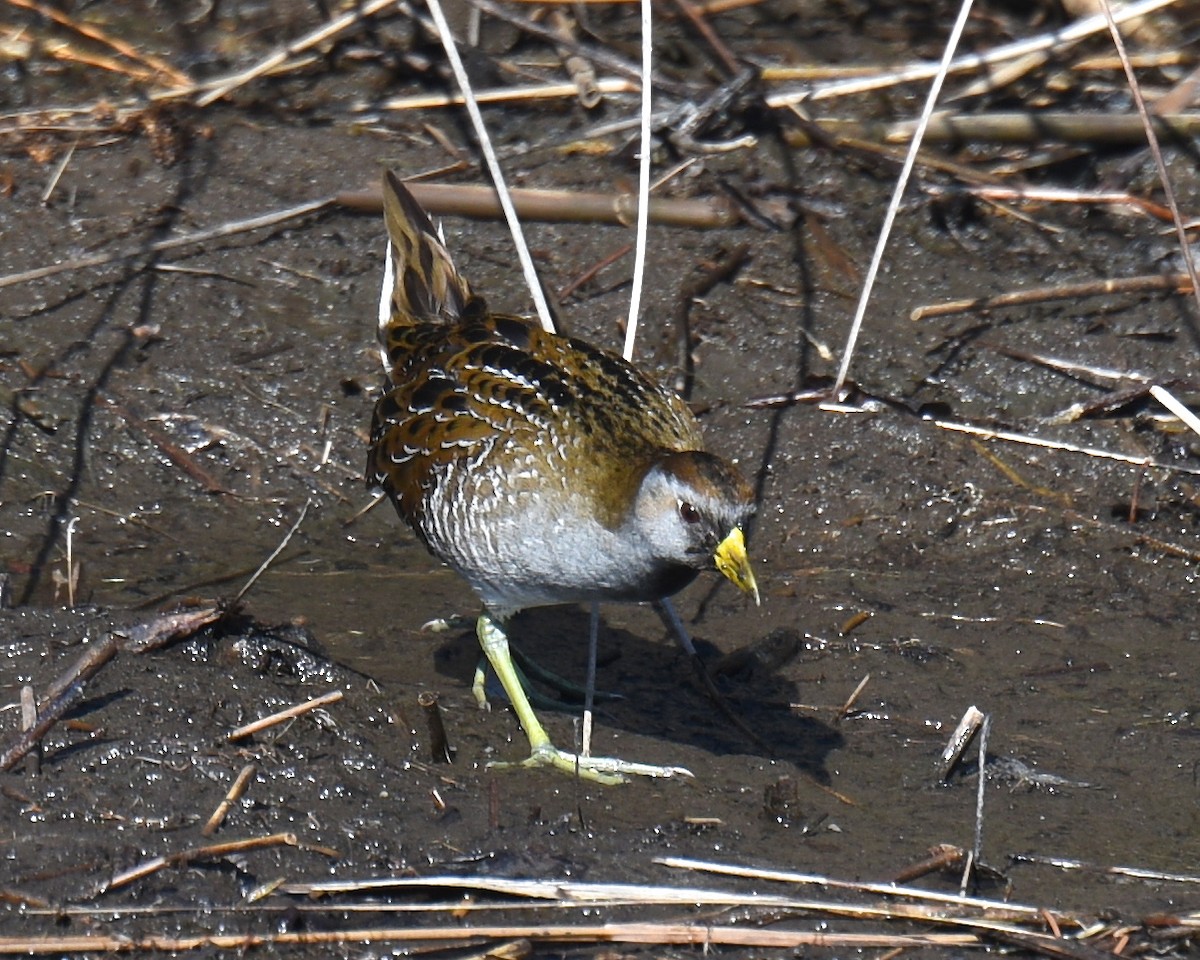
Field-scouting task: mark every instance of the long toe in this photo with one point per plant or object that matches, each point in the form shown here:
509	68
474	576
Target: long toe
606	770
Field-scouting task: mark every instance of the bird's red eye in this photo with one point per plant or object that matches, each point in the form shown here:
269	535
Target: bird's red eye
689	513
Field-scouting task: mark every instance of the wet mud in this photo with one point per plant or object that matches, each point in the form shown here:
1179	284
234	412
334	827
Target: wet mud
169	416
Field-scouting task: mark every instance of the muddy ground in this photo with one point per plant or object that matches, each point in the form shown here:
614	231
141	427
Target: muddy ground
175	412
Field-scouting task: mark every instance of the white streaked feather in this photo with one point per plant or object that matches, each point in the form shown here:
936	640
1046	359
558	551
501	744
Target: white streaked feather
385	301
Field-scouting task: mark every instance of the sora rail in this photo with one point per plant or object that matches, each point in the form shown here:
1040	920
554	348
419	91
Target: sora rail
541	468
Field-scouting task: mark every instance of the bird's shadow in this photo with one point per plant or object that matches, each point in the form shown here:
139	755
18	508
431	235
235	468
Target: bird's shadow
659	692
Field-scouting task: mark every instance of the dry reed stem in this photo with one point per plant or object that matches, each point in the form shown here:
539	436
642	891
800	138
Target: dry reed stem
987	433
988	909
969	63
552	206
212	852
510	95
222	87
1036	127
1173	283
171	450
298	710
234	794
156	65
851	700
229	229
662	934
889	217
1164	178
65	52
1168	400
69	687
483	137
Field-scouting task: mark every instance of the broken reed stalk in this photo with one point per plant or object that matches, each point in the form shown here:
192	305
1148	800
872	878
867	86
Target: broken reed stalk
974	859
1030	126
642	219
156	65
171	243
508	95
988	910
1172	403
1116	198
987	433
215	851
1160	165
172	451
29	719
968	63
1155	283
232	796
553	206
297	710
439	744
663	934
68	689
222	87
576	66
51	712
851	700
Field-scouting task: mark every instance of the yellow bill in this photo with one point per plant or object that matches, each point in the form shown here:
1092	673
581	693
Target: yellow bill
731	560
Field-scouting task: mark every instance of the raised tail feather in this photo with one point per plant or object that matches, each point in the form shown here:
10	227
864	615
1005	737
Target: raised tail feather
420	281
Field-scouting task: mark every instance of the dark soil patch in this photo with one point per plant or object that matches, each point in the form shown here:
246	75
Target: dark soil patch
1054	590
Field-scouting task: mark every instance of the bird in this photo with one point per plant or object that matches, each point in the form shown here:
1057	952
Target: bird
541	468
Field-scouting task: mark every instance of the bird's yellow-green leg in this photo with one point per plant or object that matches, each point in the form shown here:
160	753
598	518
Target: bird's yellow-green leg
527	669
542	753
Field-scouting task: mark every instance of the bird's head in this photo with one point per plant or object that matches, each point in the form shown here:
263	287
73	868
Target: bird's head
691	507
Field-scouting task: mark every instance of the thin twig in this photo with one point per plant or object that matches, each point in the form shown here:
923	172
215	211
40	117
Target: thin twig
171	243
68	688
226	85
696	17
980	794
643	211
990	434
50	712
663	934
159	66
171	450
1005	909
1172	282
59	169
853	698
970	62
1138	873
493	164
1164	178
144	637
510	95
276	552
897	194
